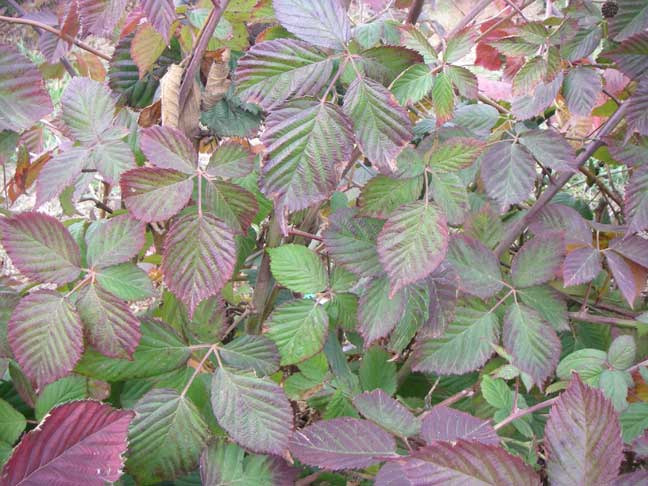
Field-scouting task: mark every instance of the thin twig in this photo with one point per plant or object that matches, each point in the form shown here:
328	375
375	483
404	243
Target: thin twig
591	175
304	234
97	203
614	321
414	12
40	25
521	412
637	366
468	392
197	370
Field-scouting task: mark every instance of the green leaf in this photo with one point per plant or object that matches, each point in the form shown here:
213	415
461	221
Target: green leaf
323	23
496	392
531	341
459	45
126	281
634	420
588	363
231	160
274	71
378	313
247	352
147	46
381	125
464	81
477	266
166	436
343	311
231	203
298	268
412	243
384	63
377	372
12	423
454	154
443	98
465	346
61	391
621	354
383	410
254	411
160	350
299	328
413	84
529	76
382	195
412	38
615	384
450	194
538	261
549	303
87	108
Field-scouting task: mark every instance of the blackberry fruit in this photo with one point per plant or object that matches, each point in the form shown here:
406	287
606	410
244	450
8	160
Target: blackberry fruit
609	9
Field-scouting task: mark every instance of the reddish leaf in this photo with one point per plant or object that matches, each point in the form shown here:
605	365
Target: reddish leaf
443	290
633	248
550	148
636	200
556	217
447	424
508	172
583	438
383	410
477	266
100	16
161	13
168	148
378	312
629	277
581	266
41	247
46	336
199	258
539	260
637	109
78	443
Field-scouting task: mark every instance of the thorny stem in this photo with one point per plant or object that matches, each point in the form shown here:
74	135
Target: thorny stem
521	412
615	321
34	23
304	234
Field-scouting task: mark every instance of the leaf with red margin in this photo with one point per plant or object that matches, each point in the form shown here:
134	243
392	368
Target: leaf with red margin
443	290
412	243
231	160
342	443
447	424
390	414
168	148
153	194
46	336
557	217
378	313
111	326
100	16
583	437
146	48
633	248
23	98
114	241
79	442
41	247
629	277
581	89
477	266
199	258
161	13
88	109
581	266
508	171
550	148
463	463
538	261
636	200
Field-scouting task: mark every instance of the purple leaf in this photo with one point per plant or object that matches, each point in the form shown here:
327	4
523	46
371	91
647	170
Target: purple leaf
583	438
581	266
111	326
22	83
447	424
41	247
635	478
168	148
412	243
464	463
390	414
550	148
87	108
233	204
637	110
582	87
636	199
306	141
153	194
556	217
443	291
112	157
539	260
254	411
508	172
393	473
477	266
633	248
60	172
629	277
161	13
631	55
378	313
532	342
114	241
528	106
199	258
274	71
342	443
78	443
323	23
382	127
46	336
351	242
100	16
231	160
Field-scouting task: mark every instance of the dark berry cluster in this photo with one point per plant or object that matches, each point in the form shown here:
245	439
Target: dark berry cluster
609	9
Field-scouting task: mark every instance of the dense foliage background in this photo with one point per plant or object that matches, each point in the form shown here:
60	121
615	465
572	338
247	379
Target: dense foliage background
391	242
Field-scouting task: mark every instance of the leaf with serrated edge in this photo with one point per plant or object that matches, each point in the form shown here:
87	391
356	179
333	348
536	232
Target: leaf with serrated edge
581	266
125	281
79	442
165	437
538	261
447	424
114	241
68	389
254	411
636	200
477	266
299	328
629	277
168	148
112	328
550	149
465	346
413	84
100	16
531	341
231	203
46	336
41	247
508	172
147	46
161	14
153	194
274	71
87	108
378	313
231	160
23	98
583	438
382	195
412	243
199	258
390	414
582	88
381	125
12	423
323	23
454	154
298	268
60	172
257	353
342	443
